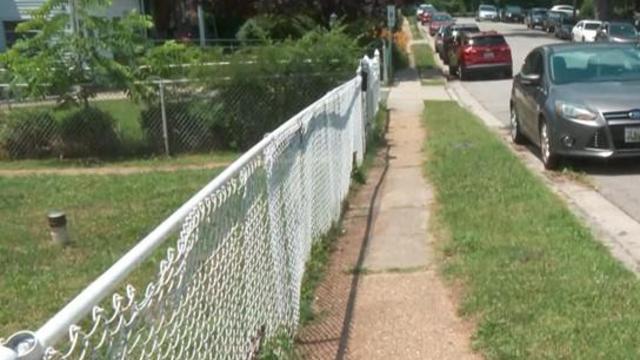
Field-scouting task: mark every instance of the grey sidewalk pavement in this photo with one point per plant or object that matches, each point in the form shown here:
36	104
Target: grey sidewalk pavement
402	309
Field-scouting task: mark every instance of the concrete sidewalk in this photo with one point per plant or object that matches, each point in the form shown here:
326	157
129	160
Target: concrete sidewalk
402	309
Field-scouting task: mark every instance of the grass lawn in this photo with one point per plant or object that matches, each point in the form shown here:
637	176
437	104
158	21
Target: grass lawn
413	25
425	63
179	160
534	279
107	215
127	115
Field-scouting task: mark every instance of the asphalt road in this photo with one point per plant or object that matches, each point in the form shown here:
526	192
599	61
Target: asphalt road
618	181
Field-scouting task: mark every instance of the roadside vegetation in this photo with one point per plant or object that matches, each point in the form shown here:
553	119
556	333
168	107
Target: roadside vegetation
535	281
107	215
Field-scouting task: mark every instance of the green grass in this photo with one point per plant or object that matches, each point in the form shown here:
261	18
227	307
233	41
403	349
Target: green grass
425	62
535	280
107	215
128	118
179	160
413	25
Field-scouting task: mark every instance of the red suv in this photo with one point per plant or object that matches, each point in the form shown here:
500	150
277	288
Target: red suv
481	52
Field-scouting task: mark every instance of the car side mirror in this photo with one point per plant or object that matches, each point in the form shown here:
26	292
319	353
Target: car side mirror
530	79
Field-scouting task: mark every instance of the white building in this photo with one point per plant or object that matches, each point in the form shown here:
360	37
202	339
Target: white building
12	12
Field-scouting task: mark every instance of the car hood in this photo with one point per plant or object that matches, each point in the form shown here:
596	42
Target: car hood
601	96
620	39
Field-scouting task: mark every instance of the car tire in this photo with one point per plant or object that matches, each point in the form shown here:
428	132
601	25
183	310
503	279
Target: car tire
453	70
550	159
463	73
516	135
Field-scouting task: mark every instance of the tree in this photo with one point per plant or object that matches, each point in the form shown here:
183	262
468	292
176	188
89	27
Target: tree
602	9
76	50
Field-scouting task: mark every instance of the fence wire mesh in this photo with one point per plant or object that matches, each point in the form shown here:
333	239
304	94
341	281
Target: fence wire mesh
232	280
174	116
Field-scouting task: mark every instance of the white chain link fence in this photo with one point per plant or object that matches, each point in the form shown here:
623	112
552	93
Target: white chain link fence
233	276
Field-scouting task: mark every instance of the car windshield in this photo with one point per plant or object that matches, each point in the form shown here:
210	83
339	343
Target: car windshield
539	12
622	30
591	26
589	65
442	17
513	9
487	8
486	40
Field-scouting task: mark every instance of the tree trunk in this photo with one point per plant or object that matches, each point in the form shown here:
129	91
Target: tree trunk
602	9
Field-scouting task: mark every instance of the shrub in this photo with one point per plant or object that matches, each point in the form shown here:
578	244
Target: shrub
28	134
88	132
194	125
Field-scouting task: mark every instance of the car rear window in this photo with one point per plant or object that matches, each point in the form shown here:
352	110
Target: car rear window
441	17
486	40
487	8
591	26
539	12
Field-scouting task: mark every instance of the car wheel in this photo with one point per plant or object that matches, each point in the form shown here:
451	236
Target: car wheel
549	157
516	133
464	73
453	70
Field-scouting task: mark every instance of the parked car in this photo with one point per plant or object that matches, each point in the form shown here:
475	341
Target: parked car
535	17
552	20
481	52
513	14
616	32
585	30
439	40
439	19
567	9
453	32
578	100
487	13
564	28
427	15
424	7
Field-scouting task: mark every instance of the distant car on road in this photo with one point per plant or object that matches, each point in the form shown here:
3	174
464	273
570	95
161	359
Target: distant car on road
567	9
535	17
449	39
578	100
482	52
552	20
620	32
512	13
564	28
487	13
439	20
585	30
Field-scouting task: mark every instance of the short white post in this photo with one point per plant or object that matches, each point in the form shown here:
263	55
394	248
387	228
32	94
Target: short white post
58	227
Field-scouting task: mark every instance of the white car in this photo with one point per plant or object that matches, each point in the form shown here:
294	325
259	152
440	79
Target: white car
487	12
567	9
585	30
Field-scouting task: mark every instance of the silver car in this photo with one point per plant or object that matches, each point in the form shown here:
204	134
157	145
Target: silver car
578	100
487	12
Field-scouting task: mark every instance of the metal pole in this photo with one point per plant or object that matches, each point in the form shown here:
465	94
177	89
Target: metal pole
163	112
203	42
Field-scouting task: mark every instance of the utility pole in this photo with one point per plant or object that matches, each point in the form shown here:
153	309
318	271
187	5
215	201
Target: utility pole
73	13
203	41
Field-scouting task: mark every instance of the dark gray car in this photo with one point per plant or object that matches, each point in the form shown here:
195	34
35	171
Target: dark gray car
617	32
579	100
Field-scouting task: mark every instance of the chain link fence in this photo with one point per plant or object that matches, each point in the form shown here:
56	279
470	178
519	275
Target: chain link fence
175	116
231	279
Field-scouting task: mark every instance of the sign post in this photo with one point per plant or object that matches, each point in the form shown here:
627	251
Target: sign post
391	23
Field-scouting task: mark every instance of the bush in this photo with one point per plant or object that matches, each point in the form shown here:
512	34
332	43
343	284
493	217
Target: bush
28	134
88	132
194	125
587	10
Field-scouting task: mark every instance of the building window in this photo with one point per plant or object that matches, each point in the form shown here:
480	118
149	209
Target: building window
11	35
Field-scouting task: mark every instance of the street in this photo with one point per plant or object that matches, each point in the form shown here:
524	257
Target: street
616	180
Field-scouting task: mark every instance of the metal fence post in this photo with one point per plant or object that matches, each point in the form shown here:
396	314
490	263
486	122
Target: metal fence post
163	111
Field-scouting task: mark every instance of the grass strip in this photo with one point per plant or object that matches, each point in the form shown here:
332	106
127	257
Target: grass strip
425	63
534	279
413	25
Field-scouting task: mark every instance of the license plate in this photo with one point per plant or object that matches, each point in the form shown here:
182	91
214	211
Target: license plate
632	134
489	55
